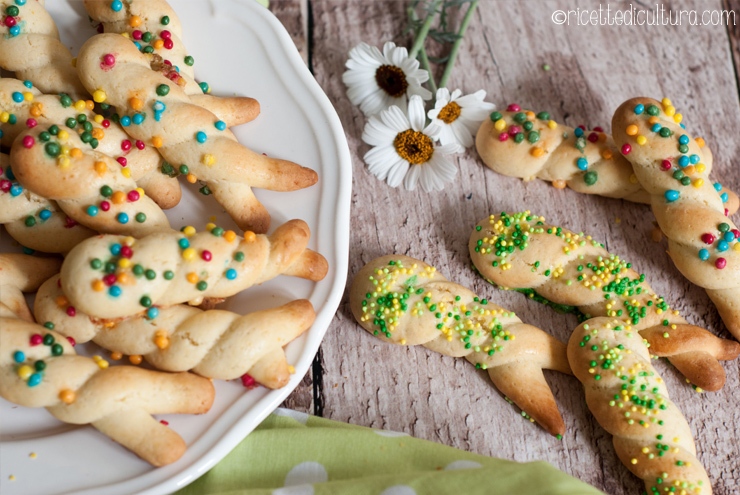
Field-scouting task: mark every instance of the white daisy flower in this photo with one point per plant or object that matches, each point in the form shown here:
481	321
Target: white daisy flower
375	80
405	151
459	116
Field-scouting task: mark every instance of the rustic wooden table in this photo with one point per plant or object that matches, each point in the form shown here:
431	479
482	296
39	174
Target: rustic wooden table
358	379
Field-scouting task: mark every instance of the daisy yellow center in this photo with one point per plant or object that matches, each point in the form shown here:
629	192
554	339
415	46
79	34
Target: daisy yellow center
414	146
449	113
392	80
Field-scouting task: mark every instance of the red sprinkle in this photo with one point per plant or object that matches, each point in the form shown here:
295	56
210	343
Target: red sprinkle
109	279
626	148
737	233
665	165
70	222
513	108
31	123
71	311
164	422
127	252
122	160
136	34
248	381
36	339
503	136
104	205
109	60
707	238
100	28
598	128
206	255
105	123
582	127
515	129
10	21
5	185
593	137
165	35
727	212
133	196
720	263
125	145
140	144
72	341
168	44
28	141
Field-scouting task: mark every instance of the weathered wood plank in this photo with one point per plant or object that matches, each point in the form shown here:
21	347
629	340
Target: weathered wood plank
593	69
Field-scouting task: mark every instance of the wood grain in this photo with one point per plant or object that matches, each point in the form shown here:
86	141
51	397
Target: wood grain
592	70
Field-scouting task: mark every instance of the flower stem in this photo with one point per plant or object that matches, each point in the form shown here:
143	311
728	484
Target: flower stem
456	46
425	65
422	34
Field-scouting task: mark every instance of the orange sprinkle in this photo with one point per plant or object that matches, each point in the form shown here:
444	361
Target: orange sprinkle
62	301
249	236
115	356
607	154
67	396
118	197
134	21
158	44
631	130
230	235
101	168
36	109
98	286
559	184
192	277
135	359
181	82
191	178
689	170
98	133
157	142
537	152
161	340
89	104
75	153
122	278
530	114
653	120
700	142
135	103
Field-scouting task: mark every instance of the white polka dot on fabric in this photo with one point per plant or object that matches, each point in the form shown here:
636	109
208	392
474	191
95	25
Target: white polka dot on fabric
294	490
302	418
306	472
390	434
399	490
462	465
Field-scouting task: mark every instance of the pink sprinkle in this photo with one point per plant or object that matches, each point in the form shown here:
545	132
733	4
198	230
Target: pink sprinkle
133	195
206	255
737	233
513	108
69	222
72	341
36	339
125	145
248	381
31	123
28	141
105	123
71	311
164	422
593	137
598	128
167	62
165	35
515	129
109	60
127	252
503	136
720	263
707	238
109	279
122	160
10	21
136	34
104	205
168	44
5	185
140	144
626	148
727	212
665	165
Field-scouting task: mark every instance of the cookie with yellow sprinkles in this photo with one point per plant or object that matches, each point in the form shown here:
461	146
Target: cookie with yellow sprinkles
703	242
629	400
406	301
576	273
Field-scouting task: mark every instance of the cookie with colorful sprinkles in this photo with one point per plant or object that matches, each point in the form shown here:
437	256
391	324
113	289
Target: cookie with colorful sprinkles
573	272
215	343
406	301
629	399
117	276
703	242
185	133
524	144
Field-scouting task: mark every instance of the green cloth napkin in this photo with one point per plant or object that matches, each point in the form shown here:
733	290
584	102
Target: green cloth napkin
292	453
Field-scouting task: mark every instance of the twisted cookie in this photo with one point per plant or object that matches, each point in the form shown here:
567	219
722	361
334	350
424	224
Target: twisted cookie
115	276
30	47
702	242
214	344
520	143
521	251
185	133
21	273
89	186
409	303
39	368
630	401
156	30
33	221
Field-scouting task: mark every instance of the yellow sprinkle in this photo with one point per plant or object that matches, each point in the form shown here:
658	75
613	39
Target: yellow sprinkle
80	105
666	102
208	159
28	96
141	191
499	125
189	230
4	116
677	118
102	364
670	110
210	226
99	96
736	247
64	150
24	372
701	168
157	142
552	124
98	118
11	477
126	172
537	152
124	262
631	130
189	254
63	161
633	461
698	183
63	135
641	140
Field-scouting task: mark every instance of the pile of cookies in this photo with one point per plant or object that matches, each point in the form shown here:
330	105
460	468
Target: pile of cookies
91	148
652	159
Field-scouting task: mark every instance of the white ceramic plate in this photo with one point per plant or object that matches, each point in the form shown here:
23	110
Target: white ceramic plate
239	48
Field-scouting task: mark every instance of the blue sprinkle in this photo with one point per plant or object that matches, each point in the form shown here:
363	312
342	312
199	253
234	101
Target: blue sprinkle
682	125
703	254
220	125
684	139
639	108
177	69
34	379
45	214
729	236
582	163
204	87
138	45
19	356
28	84
17	97
28	250
184	243
656	127
20	3
152	313
125	121
683	161
578	132
724	197
116	5
157	116
672	195
122	217
159	106
114	291
694	159
15	31
92	210
1	133
722	246
16	190
717	186
12	119
9	173
138	118
115	249
201	137
231	274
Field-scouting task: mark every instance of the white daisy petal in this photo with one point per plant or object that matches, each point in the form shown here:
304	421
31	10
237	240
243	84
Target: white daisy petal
377	134
416	113
397	173
395	119
447	149
455	94
433	131
380	159
462	134
412	177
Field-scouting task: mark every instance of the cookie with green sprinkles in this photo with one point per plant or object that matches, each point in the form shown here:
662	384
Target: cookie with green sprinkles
629	400
574	272
406	301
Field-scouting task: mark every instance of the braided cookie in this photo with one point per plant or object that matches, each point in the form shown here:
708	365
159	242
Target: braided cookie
156	30
21	273
39	368
407	302
30	47
88	185
628	398
215	344
185	133
520	143
33	221
521	251
26	108
702	242
115	276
